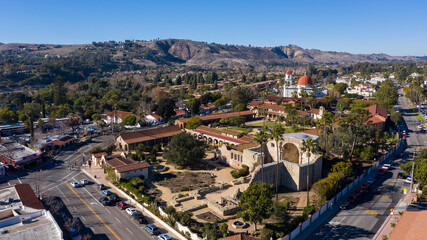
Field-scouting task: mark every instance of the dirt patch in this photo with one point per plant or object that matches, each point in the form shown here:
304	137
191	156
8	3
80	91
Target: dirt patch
208	217
185	181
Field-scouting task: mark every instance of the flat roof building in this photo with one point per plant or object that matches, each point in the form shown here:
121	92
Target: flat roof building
18	155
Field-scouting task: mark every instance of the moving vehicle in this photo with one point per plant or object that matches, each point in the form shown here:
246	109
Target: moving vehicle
122	205
74	184
84	182
106	192
152	229
131	211
164	237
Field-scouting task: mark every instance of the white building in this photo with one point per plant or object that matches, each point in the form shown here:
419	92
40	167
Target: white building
362	90
346	80
23	216
304	84
376	80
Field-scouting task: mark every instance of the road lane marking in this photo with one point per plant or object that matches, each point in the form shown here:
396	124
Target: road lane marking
19	180
62	193
117	219
72	160
129	231
60	180
106	209
372	212
333	228
374	201
83	218
386	196
96	200
81	199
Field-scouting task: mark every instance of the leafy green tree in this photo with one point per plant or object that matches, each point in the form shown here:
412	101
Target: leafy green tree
340	87
223	229
396	117
193	104
7	116
184	150
387	95
165	108
220	102
193	123
129	120
256	203
96	117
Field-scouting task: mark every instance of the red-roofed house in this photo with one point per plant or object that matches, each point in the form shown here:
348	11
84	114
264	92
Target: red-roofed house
117	116
208	108
378	116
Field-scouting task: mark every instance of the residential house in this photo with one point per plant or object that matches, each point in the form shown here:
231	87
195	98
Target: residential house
153	118
117	116
149	137
378	116
208	108
96	159
125	167
362	90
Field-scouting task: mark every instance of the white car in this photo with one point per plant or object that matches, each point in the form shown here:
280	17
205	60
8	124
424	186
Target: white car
164	237
408	180
75	184
420	126
386	166
84	181
131	211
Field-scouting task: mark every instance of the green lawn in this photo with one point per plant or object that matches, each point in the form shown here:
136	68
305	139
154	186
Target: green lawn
420	118
240	129
268	124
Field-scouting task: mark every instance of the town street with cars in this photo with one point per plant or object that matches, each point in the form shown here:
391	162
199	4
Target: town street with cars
366	210
82	196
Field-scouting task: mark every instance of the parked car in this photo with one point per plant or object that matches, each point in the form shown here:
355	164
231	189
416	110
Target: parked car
101	186
401	174
164	237
345	205
370	181
74	184
352	198
75	234
114	197
84	182
409	180
386	166
122	205
140	219
106	192
364	186
105	201
381	172
152	229
358	192
131	211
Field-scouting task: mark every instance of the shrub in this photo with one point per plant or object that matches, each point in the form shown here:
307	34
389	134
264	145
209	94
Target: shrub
235	173
244	171
308	210
267	234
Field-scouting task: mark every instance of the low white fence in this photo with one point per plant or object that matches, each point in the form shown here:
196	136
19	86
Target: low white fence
329	204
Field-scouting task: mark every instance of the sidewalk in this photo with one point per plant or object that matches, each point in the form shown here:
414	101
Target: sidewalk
386	228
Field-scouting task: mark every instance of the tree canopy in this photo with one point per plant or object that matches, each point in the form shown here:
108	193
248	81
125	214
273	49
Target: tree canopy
184	150
165	108
193	123
256	203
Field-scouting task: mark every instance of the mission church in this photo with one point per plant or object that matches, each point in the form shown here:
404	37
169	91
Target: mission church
304	84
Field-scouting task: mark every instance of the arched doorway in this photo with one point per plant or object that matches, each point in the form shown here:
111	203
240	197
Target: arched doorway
290	153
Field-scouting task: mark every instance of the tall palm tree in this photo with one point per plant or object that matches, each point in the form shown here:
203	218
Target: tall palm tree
326	122
309	146
261	137
276	135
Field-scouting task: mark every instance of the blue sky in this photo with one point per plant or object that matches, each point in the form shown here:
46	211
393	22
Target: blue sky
356	26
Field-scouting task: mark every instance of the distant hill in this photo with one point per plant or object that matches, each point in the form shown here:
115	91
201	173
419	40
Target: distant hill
192	53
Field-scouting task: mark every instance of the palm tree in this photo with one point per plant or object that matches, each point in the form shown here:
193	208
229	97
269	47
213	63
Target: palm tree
276	135
294	94
326	121
261	137
309	146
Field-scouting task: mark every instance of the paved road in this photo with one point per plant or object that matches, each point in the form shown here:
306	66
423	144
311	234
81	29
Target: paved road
106	222
367	215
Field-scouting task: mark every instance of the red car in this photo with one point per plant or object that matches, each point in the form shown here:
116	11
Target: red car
364	186
352	198
122	205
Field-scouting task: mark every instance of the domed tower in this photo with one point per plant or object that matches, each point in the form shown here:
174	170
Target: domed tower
288	76
304	83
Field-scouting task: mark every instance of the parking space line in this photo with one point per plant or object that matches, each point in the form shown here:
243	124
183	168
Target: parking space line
62	193
19	180
106	209
81	199
117	219
129	231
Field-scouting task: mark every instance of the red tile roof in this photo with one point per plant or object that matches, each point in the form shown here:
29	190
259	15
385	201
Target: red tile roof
179	112
119	162
150	134
241	236
274	107
412	225
98	155
118	114
28	197
255	103
207	107
377	110
62	141
132	167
